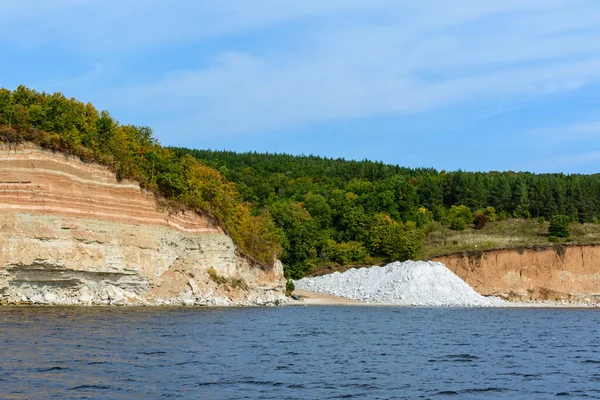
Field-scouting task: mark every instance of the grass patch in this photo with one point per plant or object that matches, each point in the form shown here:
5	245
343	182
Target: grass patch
234	283
219	280
517	234
512	233
238	283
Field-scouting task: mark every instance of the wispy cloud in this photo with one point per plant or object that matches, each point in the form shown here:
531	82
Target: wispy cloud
569	133
566	147
569	161
243	93
314	61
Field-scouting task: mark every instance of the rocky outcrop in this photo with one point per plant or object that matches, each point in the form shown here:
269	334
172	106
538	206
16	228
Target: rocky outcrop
550	273
70	233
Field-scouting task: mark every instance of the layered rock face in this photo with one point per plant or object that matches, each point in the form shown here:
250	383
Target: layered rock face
70	233
553	273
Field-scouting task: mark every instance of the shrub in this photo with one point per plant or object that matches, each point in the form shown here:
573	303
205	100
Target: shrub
345	253
480	221
10	135
439	213
458	224
553	239
503	216
559	226
289	287
429	228
488	212
458	217
423	217
212	273
239	283
392	239
521	212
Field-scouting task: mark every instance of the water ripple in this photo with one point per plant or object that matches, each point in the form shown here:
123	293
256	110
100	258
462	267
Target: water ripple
298	353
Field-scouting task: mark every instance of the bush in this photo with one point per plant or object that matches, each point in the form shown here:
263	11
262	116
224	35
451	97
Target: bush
480	221
503	216
346	252
459	217
553	239
239	283
10	135
429	228
458	224
216	278
289	287
559	226
393	240
423	217
439	213
488	212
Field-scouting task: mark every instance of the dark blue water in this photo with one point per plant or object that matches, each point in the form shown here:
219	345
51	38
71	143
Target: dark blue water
298	353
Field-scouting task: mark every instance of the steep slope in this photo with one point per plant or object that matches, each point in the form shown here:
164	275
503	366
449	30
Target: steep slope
552	273
70	233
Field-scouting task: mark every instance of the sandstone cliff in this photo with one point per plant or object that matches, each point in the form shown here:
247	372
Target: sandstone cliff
552	273
70	233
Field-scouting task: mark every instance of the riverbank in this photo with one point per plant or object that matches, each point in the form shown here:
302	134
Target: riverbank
308	298
415	283
313	298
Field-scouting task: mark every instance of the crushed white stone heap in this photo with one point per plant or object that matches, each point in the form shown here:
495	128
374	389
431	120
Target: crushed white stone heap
410	283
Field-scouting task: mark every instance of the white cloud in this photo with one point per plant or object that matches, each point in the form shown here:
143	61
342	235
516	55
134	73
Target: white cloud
242	93
338	59
100	26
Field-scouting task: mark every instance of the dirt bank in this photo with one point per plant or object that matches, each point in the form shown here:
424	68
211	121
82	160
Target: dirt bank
551	273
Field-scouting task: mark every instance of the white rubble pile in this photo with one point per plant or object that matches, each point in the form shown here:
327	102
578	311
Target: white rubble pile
414	283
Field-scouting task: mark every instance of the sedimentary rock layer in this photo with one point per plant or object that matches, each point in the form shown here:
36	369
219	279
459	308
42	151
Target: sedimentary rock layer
553	273
70	233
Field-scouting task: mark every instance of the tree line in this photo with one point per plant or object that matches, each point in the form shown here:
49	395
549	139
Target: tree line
307	210
353	212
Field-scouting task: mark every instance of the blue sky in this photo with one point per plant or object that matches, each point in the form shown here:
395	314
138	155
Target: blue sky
462	84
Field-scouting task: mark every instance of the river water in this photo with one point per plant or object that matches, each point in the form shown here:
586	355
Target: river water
328	352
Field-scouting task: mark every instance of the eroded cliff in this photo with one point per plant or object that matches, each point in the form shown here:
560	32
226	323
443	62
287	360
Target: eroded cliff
551	273
70	233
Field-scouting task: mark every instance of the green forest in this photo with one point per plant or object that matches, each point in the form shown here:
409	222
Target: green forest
365	212
308	211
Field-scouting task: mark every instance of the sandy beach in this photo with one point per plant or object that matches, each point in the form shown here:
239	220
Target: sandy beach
313	298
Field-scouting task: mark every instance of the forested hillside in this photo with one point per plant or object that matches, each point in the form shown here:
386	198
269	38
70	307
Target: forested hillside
60	124
362	211
311	211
